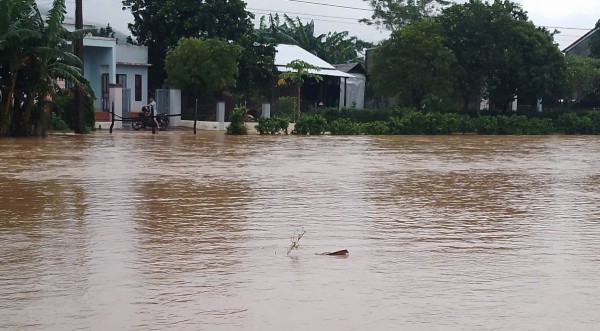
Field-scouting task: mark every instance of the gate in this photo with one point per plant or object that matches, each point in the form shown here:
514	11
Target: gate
162	101
126	103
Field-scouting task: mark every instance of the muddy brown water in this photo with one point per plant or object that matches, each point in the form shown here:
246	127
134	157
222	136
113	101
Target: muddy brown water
181	232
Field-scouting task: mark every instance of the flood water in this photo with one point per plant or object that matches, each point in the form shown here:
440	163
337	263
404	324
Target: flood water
134	231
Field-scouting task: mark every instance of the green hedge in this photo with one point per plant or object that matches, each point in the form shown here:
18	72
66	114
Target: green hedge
406	121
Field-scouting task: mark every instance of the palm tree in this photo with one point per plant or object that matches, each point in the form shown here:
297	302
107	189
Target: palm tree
335	47
298	71
33	55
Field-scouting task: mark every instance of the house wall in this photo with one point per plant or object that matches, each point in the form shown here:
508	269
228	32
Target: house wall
130	71
98	61
132	60
132	54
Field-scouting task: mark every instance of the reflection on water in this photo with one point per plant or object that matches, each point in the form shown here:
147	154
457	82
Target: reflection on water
181	232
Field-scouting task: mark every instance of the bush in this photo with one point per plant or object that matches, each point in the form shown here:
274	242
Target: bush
485	124
344	126
273	125
56	123
63	105
236	119
310	124
376	128
284	107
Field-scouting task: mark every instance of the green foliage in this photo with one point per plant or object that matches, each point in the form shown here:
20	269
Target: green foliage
394	14
344	126
63	106
107	32
595	42
310	124
204	66
500	52
160	25
284	106
298	71
354	114
583	76
236	119
56	123
273	125
334	47
376	128
33	54
413	63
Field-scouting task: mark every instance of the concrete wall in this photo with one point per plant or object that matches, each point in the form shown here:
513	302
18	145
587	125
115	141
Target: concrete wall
98	61
132	54
131	71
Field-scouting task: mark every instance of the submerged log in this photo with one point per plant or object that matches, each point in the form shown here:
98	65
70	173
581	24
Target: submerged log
336	253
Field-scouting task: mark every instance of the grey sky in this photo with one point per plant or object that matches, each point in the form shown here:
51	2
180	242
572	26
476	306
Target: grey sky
581	14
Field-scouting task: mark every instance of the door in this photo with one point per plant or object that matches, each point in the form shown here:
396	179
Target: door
126	103
162	101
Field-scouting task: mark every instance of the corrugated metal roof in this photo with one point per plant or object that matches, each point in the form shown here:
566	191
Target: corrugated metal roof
288	53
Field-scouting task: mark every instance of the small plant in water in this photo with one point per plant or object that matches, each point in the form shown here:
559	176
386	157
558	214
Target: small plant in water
296	240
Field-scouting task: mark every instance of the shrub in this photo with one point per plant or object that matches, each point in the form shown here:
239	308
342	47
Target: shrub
273	125
344	126
56	123
376	128
236	119
310	124
284	107
539	126
485	124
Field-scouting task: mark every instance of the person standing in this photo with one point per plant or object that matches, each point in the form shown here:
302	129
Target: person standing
152	106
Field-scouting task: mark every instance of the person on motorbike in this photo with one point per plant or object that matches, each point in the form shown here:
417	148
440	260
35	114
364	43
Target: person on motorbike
152	111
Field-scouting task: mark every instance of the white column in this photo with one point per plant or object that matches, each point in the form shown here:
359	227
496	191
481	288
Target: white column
175	107
266	110
221	115
115	94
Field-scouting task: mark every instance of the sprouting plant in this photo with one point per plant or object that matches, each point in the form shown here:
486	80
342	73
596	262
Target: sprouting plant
296	240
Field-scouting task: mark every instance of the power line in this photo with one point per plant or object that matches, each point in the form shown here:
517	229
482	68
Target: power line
330	5
308	14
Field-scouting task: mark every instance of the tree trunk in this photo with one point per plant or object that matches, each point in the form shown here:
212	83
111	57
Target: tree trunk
79	113
298	96
6	118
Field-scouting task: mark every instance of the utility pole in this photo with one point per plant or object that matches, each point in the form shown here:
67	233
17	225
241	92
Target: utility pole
79	113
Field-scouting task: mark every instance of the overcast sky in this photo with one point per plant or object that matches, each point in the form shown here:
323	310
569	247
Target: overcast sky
573	14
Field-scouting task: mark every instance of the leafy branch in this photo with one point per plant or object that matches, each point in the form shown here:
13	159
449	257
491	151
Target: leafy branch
295	240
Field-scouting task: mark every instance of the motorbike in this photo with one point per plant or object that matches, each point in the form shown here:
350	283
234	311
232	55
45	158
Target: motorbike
144	120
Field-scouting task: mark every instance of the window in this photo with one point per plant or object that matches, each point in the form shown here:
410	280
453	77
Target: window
105	93
138	87
122	80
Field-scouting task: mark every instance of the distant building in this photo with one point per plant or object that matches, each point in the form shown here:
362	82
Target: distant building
581	47
329	92
107	63
352	91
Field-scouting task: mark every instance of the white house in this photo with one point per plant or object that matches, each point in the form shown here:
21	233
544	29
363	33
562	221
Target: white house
338	98
107	64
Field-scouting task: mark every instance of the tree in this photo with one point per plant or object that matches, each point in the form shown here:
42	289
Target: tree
160	24
205	66
595	42
500	53
583	78
333	47
413	63
393	14
107	32
32	57
298	71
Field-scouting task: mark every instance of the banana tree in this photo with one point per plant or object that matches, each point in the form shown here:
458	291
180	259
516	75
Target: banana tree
32	56
298	71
